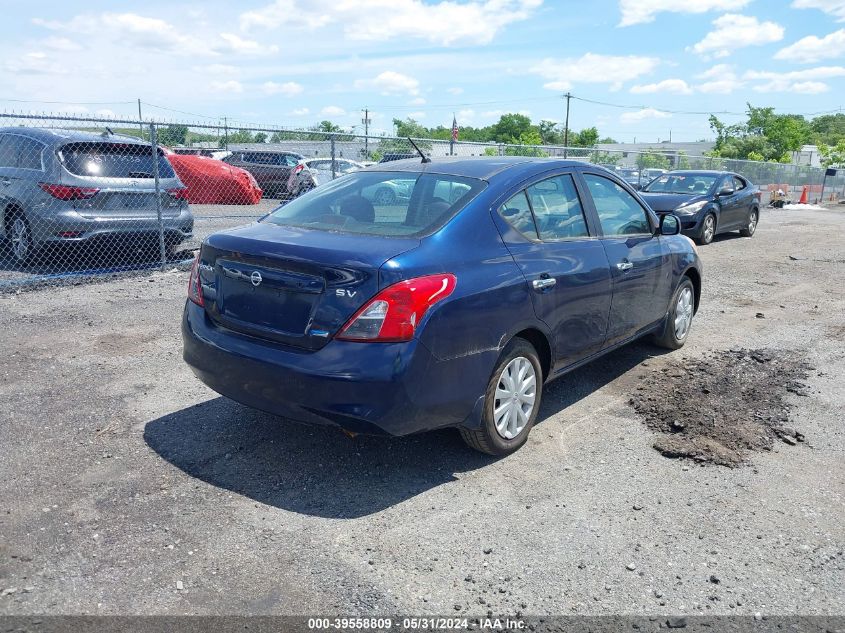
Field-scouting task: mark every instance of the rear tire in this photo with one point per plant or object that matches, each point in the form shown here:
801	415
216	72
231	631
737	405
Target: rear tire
20	237
511	401
678	321
708	230
751	227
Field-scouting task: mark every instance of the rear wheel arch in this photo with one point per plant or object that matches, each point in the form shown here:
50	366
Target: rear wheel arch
540	342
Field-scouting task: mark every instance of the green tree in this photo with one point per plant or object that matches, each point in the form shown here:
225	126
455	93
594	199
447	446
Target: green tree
172	135
241	136
511	127
524	143
585	138
648	160
833	156
828	129
260	137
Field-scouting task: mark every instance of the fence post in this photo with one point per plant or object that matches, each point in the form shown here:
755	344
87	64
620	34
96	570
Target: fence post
154	146
334	158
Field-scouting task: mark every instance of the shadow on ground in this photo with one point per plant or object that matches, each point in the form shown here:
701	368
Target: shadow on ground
320	471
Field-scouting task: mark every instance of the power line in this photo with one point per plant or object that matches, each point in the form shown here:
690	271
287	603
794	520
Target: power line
67	102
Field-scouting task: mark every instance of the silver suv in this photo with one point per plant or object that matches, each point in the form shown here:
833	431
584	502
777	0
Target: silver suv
60	186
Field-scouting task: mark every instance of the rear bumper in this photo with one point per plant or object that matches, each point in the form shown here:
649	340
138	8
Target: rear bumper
391	388
49	227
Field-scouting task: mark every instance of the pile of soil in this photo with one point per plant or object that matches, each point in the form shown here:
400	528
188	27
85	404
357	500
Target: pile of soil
718	408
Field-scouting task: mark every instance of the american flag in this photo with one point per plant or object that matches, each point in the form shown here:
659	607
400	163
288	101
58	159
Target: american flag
454	128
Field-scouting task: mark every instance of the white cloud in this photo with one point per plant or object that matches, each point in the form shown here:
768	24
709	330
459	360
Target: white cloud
641	115
288	89
332	111
139	31
836	8
455	91
231	86
641	11
812	49
61	44
416	115
300	112
592	68
390	83
805	81
722	80
417	101
34	63
674	86
247	47
736	31
445	22
105	112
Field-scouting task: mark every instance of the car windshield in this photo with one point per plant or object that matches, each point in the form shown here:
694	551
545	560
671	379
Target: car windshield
113	160
380	203
681	183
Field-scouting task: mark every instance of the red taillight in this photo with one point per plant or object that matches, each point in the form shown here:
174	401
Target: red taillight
298	168
66	192
394	313
194	284
180	193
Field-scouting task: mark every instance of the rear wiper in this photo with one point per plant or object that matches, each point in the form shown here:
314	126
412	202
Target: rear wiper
140	174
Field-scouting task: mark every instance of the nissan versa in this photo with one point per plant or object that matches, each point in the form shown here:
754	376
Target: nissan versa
450	308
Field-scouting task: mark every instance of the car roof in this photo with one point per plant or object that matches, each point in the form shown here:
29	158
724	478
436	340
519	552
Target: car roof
480	167
55	135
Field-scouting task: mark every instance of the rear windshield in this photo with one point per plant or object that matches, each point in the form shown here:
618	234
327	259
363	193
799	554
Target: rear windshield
113	160
381	203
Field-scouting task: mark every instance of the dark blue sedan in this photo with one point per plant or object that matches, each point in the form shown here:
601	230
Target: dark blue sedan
707	202
449	308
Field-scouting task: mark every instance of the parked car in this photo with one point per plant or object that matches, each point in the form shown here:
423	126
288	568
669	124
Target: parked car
707	202
631	176
69	187
321	168
446	315
279	174
210	181
392	156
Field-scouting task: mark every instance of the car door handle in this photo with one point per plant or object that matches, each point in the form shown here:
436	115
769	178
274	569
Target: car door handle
624	265
6	181
545	282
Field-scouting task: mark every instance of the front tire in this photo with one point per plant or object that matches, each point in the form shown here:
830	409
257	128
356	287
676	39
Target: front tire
751	227
678	321
20	238
708	230
511	401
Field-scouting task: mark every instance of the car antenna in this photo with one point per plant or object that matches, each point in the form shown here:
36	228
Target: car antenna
425	159
108	132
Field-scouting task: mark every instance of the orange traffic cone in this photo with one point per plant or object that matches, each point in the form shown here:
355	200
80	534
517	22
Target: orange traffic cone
804	195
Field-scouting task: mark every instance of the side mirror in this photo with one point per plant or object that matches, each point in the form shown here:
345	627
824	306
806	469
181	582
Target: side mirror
726	191
670	224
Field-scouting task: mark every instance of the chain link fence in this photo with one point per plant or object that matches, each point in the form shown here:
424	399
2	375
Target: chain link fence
91	196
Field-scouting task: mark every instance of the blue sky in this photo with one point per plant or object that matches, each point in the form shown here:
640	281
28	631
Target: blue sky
296	62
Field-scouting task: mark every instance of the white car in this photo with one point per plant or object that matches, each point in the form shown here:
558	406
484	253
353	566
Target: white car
321	168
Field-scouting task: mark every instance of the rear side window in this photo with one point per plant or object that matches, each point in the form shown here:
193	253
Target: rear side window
517	213
557	209
21	152
379	203
619	212
113	160
738	183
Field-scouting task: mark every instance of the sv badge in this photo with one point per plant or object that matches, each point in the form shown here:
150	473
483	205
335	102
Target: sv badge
340	292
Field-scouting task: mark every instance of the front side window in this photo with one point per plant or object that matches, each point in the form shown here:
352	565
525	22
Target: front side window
618	211
557	209
397	204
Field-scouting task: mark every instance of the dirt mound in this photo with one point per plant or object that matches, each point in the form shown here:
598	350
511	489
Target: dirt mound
718	408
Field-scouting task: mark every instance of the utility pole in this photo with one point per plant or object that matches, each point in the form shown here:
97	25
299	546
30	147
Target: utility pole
225	133
566	126
140	119
366	122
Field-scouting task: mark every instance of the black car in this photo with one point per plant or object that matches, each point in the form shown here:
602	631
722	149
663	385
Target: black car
281	175
391	156
708	202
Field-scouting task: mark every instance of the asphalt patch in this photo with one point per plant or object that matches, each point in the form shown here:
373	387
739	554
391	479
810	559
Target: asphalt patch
719	408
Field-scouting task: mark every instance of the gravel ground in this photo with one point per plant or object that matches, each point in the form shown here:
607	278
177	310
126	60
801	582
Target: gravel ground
127	487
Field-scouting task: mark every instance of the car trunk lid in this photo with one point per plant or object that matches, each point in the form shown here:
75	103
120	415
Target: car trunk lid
291	286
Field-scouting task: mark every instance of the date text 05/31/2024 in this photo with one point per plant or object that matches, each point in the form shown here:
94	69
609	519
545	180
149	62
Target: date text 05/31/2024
416	624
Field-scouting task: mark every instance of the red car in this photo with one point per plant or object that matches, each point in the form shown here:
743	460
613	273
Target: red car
211	181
